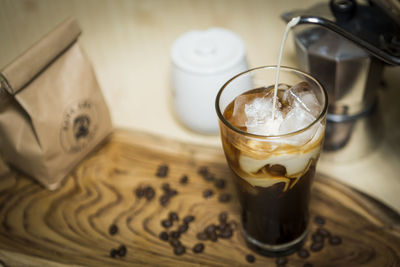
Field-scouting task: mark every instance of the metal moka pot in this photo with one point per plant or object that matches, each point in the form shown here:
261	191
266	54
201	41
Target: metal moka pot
346	45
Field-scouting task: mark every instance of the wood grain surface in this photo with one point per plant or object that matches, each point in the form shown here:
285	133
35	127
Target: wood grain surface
70	226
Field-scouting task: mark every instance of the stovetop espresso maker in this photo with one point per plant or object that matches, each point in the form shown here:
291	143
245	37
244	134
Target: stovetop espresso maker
345	44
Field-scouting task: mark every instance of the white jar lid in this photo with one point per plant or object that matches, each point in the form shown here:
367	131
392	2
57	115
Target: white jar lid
207	52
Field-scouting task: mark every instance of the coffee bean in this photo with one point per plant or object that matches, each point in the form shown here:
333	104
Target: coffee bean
149	193
303	253
139	192
226	234
219	183
179	250
113	229
223	226
323	232
208	193
184	179
173	216
202	236
281	261
224	197
307	264
182	228
175	234
188	219
210	228
175	243
162	171
164	199
122	251
203	170
222	217
113	253
250	258
319	220
198	248
164	236
212	236
316	246
166	223
335	240
172	193
165	187
317	238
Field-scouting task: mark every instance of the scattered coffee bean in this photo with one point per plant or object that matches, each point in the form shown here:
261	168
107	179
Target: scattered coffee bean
208	193
323	232
210	228
198	248
188	219
122	251
172	193
250	258
222	217
226	233
307	264
164	236
182	228
303	253
281	261
223	226
220	183
166	223
202	236
113	229
319	220
212	236
184	179
113	253
149	193
173	216
316	246
165	187
317	238
224	197
164	200
175	243
335	240
179	250
162	171
175	234
139	192
203	170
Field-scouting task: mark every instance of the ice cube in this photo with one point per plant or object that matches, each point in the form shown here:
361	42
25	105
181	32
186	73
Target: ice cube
301	96
297	119
259	117
239	117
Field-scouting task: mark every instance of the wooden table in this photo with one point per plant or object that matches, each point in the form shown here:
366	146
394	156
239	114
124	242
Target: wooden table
71	225
129	43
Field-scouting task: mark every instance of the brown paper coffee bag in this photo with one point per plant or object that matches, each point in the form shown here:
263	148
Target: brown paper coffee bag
52	111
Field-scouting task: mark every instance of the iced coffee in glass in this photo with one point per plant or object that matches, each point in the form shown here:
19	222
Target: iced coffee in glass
273	152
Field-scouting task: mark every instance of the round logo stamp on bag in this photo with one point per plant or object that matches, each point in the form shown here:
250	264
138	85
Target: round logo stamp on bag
79	126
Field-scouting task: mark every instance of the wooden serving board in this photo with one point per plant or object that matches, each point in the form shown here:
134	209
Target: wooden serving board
70	226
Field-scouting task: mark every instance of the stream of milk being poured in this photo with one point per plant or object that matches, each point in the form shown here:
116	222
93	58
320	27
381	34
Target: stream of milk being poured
293	22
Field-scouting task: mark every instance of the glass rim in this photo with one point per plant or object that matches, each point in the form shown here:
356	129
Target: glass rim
285	68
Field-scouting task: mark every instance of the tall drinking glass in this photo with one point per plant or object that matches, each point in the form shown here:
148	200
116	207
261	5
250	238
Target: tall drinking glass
273	173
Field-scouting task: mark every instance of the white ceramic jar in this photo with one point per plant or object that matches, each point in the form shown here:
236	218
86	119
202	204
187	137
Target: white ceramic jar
202	61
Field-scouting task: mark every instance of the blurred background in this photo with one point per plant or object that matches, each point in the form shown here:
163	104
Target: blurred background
129	44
